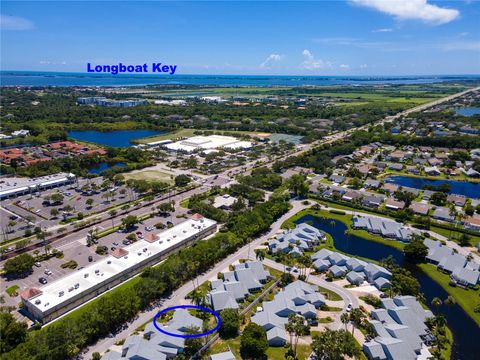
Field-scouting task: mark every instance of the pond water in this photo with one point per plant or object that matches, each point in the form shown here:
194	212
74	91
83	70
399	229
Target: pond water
468	111
465	331
119	138
468	189
103	166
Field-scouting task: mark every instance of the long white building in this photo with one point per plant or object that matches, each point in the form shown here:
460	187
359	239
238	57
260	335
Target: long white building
13	186
200	143
55	299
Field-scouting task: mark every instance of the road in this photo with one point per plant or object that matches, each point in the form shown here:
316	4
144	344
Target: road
229	173
178	296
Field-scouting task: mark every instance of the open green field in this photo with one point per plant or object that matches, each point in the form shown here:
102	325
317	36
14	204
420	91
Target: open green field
454	235
150	175
466	298
183	133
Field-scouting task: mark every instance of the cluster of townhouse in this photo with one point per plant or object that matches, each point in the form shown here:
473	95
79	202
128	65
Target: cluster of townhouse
298	298
103	101
356	271
381	226
295	242
410	126
462	271
236	285
56	150
156	345
401	330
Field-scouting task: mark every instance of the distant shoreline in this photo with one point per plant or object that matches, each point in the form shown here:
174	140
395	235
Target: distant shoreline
68	79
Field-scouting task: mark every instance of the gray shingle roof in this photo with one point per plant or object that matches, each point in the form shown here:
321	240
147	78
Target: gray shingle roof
222	300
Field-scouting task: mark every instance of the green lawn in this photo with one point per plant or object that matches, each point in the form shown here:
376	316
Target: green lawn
329	294
12	290
150	175
466	298
454	235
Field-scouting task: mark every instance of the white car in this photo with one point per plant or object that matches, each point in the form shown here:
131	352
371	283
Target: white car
349	307
47	272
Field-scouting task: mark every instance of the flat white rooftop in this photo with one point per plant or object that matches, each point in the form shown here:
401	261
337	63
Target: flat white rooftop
110	266
208	142
11	185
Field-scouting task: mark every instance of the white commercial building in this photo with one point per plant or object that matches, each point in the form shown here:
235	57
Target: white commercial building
13	186
200	143
61	296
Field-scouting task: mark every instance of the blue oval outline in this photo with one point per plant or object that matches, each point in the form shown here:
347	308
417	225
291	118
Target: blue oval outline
187	336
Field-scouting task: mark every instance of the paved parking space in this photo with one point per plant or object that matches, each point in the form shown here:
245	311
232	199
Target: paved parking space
77	250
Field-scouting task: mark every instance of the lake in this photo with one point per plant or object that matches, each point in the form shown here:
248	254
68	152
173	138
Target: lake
468	111
119	138
103	166
465	331
468	189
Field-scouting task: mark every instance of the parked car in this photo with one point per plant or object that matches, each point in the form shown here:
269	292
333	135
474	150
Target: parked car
90	258
42	280
113	248
37	264
115	243
126	242
47	272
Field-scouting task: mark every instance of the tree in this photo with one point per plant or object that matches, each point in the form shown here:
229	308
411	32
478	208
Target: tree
356	317
89	202
260	254
464	240
436	302
54	212
130	221
112	214
192	345
416	250
182	180
335	345
13	332
297	185
345	319
19	265
296	326
230	323
253	342
57	198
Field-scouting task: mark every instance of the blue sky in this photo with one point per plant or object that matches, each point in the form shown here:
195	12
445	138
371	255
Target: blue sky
355	37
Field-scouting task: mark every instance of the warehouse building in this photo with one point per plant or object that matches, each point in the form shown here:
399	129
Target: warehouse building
59	297
11	187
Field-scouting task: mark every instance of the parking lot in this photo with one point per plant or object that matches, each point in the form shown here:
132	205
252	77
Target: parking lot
79	251
35	206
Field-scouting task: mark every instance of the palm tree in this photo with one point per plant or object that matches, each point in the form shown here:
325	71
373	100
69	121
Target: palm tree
436	302
345	319
112	214
260	255
356	317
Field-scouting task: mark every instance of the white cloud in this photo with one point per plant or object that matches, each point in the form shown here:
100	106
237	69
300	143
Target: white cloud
344	66
460	45
310	63
271	60
8	22
412	10
383	30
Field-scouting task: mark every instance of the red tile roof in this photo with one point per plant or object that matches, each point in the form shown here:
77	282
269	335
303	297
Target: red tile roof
119	252
30	293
